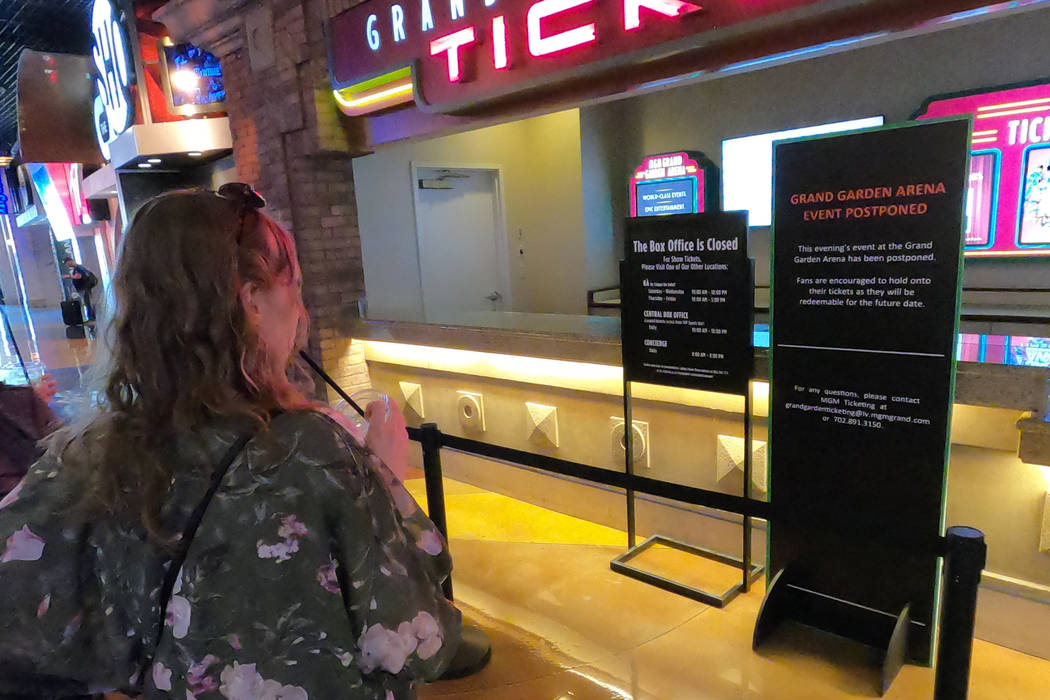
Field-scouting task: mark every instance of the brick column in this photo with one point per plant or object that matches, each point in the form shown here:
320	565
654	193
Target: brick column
292	143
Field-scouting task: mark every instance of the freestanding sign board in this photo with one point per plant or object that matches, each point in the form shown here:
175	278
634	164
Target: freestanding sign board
868	237
687	302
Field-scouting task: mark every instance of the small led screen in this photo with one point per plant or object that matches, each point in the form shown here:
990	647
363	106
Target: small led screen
194	77
666	197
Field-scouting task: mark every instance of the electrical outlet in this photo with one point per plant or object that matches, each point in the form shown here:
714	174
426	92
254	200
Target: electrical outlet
470	407
642	446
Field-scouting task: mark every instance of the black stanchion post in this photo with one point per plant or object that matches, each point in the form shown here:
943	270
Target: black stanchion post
964	561
430	440
475	649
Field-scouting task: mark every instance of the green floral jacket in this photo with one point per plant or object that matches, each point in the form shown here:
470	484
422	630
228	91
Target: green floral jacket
313	574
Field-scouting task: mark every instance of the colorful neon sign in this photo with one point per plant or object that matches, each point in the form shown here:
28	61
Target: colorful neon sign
674	183
58	187
450	55
1008	207
114	108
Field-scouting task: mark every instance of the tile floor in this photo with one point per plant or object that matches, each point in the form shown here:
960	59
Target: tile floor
565	627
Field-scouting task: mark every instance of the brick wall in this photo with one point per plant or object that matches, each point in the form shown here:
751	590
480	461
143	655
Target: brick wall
291	142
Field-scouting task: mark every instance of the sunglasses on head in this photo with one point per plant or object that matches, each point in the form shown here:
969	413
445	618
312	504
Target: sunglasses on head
245	197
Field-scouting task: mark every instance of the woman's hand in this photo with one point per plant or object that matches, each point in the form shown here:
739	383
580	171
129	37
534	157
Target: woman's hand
387	436
46	388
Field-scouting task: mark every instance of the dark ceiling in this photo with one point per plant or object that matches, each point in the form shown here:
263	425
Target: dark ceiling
44	25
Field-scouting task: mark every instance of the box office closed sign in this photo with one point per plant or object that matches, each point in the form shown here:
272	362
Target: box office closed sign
687	302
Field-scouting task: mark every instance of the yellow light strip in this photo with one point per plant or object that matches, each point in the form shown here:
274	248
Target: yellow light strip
579	376
987	132
986	140
1009	105
1027	110
394	95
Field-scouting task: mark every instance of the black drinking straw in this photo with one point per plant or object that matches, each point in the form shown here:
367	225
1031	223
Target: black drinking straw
330	382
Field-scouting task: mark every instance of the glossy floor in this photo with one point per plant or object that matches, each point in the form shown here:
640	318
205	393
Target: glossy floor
36	341
564	626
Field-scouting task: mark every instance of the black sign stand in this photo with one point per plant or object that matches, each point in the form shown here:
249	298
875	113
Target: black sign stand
731	372
866	261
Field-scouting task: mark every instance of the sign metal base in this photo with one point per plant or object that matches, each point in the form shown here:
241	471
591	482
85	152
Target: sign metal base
621	565
886	633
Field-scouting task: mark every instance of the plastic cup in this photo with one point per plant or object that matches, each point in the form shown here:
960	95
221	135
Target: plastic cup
362	398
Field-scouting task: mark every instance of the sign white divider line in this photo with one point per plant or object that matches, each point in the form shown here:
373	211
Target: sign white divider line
877	352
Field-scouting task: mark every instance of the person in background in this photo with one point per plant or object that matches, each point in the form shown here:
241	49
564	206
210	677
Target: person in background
25	420
84	280
312	574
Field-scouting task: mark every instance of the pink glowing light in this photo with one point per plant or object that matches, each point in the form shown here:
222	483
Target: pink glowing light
540	45
500	58
450	45
668	8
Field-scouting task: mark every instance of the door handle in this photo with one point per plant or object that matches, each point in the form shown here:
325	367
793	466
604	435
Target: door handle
495	296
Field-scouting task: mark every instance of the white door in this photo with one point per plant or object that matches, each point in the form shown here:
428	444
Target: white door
462	257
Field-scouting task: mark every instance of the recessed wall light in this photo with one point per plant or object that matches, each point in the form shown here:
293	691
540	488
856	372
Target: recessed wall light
145	165
154	160
195	154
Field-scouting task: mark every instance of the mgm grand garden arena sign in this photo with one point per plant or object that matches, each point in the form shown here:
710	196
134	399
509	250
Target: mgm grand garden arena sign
455	56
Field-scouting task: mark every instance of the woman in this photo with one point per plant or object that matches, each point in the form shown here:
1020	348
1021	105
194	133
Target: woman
25	419
312	574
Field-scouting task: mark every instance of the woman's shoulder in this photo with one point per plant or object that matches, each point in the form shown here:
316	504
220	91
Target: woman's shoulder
307	437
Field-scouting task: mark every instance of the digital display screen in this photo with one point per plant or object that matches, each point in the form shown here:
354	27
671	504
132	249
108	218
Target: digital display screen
194	78
968	347
747	167
1028	352
666	197
980	199
1035	205
1008	203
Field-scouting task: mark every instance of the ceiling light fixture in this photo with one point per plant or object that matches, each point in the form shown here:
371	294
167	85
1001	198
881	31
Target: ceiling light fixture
195	154
154	160
145	165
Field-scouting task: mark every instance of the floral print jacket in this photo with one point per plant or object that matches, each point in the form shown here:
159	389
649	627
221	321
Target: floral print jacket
313	574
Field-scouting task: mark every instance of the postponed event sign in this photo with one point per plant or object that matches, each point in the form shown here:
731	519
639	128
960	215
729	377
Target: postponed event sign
867	250
453	54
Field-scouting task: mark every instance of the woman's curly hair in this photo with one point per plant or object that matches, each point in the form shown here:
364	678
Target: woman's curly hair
181	351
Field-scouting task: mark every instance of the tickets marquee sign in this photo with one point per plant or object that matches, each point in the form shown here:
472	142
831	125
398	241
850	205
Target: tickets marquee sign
450	55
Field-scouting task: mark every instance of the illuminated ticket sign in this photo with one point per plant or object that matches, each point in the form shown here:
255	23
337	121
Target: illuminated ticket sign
674	183
1008	203
450	55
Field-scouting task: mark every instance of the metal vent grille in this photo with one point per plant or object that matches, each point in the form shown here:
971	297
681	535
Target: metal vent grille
43	25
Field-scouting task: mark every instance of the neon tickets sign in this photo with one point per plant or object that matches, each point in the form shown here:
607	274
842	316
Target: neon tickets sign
1008	204
451	55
